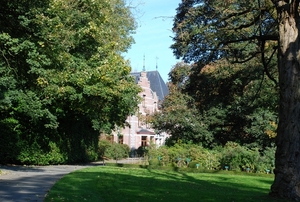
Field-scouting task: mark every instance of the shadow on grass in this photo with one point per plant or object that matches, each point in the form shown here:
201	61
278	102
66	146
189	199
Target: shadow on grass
125	184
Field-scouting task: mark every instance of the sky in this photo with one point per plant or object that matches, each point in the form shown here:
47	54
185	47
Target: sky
153	37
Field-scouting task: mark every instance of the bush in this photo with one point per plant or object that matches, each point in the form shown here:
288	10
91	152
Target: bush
161	154
141	151
266	161
238	158
78	144
102	147
194	164
154	163
112	150
180	155
126	149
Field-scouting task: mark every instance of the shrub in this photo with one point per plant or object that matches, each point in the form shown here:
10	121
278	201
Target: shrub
238	158
266	160
141	151
194	164
161	154
153	163
180	155
233	155
102	146
112	150
126	149
77	144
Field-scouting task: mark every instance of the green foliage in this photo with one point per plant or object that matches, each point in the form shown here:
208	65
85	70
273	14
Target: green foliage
219	103
179	116
154	163
206	31
63	78
239	158
234	156
231	79
181	155
179	74
232	98
266	161
34	155
103	145
113	150
141	151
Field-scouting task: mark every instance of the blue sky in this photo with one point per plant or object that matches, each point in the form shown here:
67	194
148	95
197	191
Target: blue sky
153	37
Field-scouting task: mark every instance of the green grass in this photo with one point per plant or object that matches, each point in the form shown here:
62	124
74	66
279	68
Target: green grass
104	183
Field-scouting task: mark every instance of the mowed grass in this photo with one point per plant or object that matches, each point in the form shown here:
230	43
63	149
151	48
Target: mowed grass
105	183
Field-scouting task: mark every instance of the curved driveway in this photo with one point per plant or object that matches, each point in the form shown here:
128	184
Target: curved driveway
32	183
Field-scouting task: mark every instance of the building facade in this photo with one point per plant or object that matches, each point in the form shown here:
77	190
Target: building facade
140	133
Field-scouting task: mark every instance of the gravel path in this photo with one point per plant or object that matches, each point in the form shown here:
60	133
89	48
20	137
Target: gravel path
26	183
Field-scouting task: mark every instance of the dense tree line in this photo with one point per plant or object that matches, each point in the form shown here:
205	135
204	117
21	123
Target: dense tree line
262	38
222	102
63	79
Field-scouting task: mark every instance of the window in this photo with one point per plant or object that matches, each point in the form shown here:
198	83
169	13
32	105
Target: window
144	141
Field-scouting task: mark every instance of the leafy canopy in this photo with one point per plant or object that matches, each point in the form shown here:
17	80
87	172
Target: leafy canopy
61	68
232	80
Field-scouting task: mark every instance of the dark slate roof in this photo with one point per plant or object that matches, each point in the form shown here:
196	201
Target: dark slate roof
145	132
157	84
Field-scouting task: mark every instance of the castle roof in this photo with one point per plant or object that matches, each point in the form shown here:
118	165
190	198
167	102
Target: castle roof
157	84
145	132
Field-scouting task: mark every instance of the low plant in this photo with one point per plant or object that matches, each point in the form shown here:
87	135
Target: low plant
180	155
230	157
113	150
238	158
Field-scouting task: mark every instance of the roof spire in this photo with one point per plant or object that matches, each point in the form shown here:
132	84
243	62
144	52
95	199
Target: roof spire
156	63
144	69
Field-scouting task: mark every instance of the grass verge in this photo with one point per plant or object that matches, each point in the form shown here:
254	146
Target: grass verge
105	183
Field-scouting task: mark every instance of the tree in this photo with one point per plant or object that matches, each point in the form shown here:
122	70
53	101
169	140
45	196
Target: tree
241	31
237	102
88	73
224	102
63	77
178	116
287	163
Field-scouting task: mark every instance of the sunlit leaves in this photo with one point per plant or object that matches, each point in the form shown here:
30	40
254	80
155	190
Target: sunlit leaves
232	46
206	31
61	66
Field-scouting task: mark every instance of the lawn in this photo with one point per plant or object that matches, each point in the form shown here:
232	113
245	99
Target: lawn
104	183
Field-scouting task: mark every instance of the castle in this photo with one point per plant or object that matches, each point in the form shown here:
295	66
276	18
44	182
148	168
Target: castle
140	133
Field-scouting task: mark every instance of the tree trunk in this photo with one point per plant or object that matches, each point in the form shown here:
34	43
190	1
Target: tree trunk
287	163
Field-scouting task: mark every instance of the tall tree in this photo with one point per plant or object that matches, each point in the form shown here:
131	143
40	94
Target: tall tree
241	31
63	78
287	164
237	102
